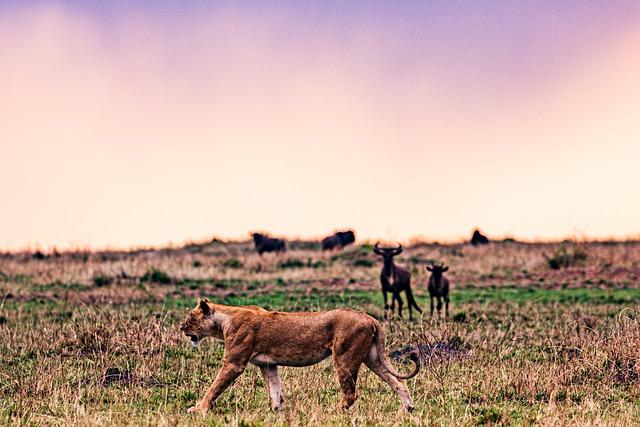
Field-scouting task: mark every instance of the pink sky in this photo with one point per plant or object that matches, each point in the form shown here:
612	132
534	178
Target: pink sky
125	127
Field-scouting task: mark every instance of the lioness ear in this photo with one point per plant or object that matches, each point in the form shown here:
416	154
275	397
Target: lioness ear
204	306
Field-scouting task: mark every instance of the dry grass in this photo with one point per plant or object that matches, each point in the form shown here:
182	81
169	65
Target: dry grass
530	345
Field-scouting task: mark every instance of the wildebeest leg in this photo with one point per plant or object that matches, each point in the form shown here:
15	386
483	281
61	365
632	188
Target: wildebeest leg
412	302
431	300
347	358
393	304
446	306
399	386
272	379
386	304
400	303
439	307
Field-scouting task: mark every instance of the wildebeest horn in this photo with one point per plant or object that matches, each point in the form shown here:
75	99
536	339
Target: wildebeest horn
398	250
376	249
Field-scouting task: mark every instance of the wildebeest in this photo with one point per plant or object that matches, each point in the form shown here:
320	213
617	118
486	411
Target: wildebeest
395	279
439	287
338	240
268	244
478	238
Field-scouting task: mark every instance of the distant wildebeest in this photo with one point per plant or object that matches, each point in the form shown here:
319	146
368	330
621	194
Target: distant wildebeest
268	244
395	279
439	287
338	240
478	238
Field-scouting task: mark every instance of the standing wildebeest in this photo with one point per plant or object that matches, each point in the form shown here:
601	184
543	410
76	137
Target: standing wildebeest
267	244
439	287
479	239
395	279
338	240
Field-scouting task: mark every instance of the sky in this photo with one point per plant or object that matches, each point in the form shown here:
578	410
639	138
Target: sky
168	121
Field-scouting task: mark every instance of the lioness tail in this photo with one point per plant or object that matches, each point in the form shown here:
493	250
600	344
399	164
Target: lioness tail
386	363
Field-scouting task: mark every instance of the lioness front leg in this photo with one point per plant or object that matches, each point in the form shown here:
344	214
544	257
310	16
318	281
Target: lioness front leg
228	373
237	351
272	378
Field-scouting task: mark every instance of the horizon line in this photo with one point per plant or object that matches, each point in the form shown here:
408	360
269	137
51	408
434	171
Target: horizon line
415	240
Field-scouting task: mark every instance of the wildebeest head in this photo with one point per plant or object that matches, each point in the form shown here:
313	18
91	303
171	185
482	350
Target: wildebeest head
437	270
267	244
387	253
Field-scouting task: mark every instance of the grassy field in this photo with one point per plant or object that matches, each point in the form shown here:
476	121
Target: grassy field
539	334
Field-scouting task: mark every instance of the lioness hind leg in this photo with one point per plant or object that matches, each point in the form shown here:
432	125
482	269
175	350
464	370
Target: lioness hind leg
348	376
348	355
272	378
399	386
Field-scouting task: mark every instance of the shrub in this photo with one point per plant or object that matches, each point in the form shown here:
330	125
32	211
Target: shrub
291	263
196	263
460	317
426	261
315	264
563	258
366	247
156	276
232	263
101	280
363	262
304	245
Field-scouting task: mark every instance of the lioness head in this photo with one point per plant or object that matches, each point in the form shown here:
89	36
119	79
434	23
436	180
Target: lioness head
198	323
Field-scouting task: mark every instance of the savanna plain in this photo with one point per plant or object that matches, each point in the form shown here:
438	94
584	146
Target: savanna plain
537	334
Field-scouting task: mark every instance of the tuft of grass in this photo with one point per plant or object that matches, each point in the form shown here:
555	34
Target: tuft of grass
155	275
102	280
460	317
232	263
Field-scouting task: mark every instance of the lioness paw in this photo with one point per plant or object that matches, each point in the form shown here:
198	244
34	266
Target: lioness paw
197	410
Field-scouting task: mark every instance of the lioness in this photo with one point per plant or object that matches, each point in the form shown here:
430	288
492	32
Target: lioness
270	339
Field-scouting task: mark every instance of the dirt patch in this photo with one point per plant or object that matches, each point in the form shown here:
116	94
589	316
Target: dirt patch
116	376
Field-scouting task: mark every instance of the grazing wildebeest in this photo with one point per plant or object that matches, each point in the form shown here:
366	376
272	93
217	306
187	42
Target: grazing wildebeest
439	287
268	244
478	238
395	279
338	240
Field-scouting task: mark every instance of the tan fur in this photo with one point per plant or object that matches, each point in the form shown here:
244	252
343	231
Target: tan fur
270	339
